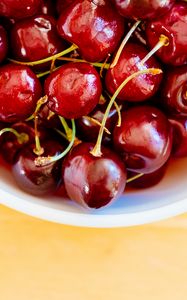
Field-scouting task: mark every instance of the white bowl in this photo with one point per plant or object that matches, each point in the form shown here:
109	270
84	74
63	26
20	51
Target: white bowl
167	199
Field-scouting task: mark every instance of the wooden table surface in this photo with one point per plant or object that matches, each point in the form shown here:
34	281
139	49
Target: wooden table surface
46	261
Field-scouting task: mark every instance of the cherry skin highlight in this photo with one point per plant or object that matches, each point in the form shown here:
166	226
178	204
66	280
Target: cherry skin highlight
92	181
173	26
144	139
38	180
140	88
20	89
144	9
94	26
73	90
35	38
3	44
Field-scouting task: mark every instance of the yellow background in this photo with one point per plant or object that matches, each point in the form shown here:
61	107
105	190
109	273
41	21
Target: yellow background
46	261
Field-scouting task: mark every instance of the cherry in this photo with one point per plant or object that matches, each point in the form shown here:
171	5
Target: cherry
73	90
88	129
173	26
47	118
140	88
35	38
38	180
19	91
92	181
173	95
179	136
19	9
147	180
61	4
94	26
3	44
47	7
144	139
144	9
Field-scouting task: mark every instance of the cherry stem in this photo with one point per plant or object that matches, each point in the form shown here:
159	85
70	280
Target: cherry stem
134	177
67	130
163	42
42	61
97	123
124	42
21	137
40	102
97	149
43	161
118	109
38	149
99	65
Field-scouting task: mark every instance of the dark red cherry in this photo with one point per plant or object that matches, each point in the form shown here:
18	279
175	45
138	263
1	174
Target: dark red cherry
140	88
3	44
144	9
19	9
94	26
35	38
61	4
173	26
48	119
88	130
93	181
38	180
173	95
73	90
11	144
144	139
179	136
20	90
148	180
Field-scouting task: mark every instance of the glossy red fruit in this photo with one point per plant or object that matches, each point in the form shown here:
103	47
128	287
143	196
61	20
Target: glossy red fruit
20	89
148	180
73	90
179	136
92	181
94	26
140	88
19	9
3	44
144	139
173	95
35	38
38	180
61	4
173	26
144	9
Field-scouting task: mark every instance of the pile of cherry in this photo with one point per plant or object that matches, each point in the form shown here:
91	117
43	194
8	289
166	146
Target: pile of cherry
93	94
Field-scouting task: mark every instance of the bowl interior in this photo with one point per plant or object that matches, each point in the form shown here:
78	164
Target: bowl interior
166	199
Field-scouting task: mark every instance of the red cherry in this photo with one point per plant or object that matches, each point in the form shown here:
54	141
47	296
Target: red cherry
35	38
3	44
19	9
144	139
140	88
47	7
92	181
61	4
19	91
38	180
173	95
73	90
144	9
179	136
94	26
173	26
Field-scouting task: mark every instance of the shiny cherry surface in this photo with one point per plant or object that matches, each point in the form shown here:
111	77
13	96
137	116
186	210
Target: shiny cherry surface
38	180
144	139
20	89
143	9
172	25
3	44
179	136
19	9
140	88
92	181
94	26
35	38
73	90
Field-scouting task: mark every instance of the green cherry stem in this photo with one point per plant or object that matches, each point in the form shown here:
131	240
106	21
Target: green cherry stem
134	177
97	149
43	161
99	65
42	61
21	137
